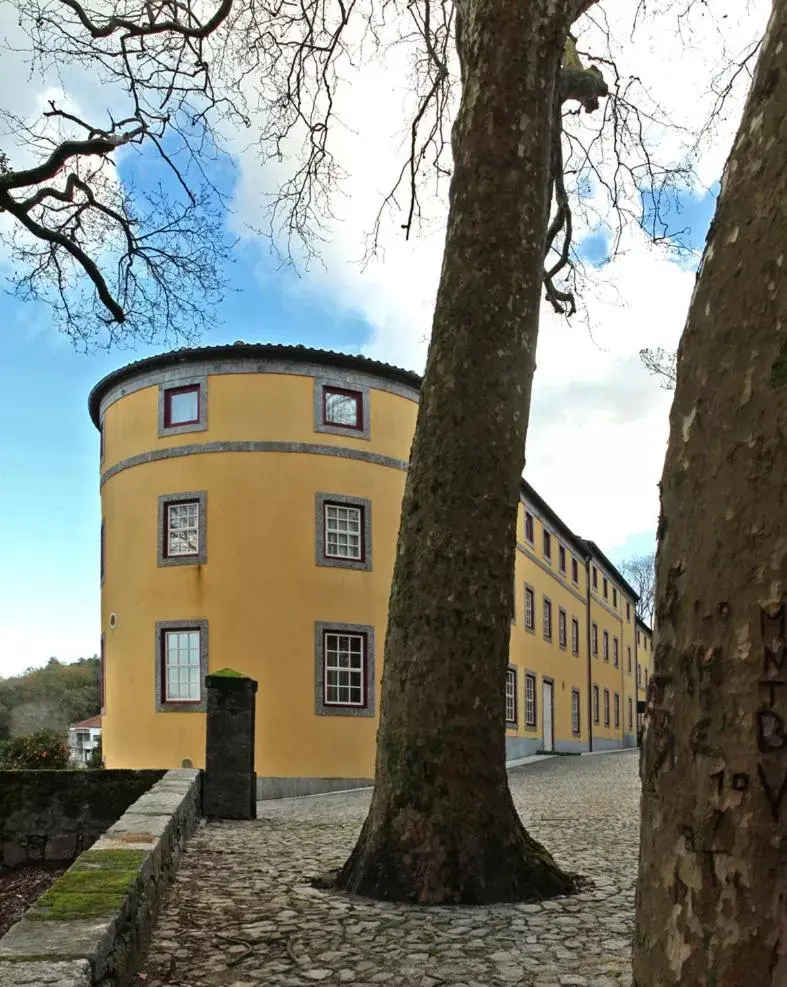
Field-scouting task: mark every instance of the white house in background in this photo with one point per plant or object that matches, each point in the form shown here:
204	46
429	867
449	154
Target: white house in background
83	738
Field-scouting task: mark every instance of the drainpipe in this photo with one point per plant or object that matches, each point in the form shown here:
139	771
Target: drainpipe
590	657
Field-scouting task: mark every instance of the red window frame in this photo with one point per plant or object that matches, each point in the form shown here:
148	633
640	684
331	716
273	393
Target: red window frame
364	669
357	396
163	646
343	558
171	392
165	533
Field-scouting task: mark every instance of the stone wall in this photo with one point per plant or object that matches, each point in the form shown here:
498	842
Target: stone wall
55	815
92	925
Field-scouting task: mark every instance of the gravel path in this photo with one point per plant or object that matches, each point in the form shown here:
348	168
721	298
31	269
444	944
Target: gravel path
242	912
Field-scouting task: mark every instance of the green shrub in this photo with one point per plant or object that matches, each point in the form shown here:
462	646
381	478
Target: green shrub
44	749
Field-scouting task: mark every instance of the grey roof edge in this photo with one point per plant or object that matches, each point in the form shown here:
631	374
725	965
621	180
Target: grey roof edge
250	351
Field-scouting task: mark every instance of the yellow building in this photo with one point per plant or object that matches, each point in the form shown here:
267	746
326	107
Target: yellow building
250	507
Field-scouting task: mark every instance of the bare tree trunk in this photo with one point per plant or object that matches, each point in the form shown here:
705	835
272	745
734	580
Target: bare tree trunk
712	899
442	825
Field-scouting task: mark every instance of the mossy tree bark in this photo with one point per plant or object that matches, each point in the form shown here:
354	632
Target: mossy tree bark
442	827
712	900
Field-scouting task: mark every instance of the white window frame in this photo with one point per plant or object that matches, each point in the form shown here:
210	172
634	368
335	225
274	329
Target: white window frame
191	665
530	608
531	709
574	636
576	717
511	696
351	514
192	507
353	673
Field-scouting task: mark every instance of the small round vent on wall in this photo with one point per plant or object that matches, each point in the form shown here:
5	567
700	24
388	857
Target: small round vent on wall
113	621
187	763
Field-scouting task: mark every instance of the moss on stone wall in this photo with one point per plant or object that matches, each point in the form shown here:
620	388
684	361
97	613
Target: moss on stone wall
94	887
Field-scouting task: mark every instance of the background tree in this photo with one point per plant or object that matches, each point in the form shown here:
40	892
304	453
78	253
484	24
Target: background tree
711	905
50	697
522	154
640	571
660	363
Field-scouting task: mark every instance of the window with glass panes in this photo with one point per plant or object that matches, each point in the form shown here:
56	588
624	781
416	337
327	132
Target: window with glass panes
530	700
182	666
631	715
342	408
511	696
529	534
530	609
575	636
562	630
561	554
605	652
617	709
615	654
547	620
182	529
345	669
628	660
575	721
343	532
595	704
594	639
181	406
606	707
547	545
575	570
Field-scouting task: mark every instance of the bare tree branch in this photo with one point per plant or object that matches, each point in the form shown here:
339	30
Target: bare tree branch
662	364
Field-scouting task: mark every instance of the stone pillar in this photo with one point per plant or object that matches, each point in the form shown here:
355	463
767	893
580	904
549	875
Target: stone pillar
230	785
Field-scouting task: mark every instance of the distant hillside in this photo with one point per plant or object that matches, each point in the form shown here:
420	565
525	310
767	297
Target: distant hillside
51	697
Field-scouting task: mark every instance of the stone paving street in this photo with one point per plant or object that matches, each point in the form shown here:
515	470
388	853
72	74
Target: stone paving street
242	911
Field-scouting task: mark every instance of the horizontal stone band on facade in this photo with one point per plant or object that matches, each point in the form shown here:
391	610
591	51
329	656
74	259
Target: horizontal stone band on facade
205	448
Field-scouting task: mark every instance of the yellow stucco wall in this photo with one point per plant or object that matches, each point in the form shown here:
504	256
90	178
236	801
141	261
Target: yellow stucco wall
261	591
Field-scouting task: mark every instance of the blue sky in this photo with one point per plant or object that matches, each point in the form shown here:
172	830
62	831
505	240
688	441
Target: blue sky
49	499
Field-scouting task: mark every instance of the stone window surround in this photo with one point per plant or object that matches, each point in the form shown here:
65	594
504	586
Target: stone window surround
576	693
321	708
606	707
512	724
596	705
616	709
195	380
547	609
533	677
562	613
201	558
531	627
197	624
605	646
342	383
575	623
321	498
594	639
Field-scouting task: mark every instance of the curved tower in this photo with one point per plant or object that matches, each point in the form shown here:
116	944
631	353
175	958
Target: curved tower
250	502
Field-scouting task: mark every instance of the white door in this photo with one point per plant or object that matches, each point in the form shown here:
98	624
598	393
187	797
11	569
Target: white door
546	706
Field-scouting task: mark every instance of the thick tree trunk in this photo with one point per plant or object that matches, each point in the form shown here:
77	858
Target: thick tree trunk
442	825
712	897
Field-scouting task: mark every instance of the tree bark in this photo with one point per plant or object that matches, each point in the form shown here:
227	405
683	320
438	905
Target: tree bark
442	827
712	899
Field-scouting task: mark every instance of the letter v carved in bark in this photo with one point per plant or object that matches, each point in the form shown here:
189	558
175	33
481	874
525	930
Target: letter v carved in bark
772	627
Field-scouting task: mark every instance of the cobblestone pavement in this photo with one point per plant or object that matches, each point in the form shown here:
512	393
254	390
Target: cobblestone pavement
242	912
